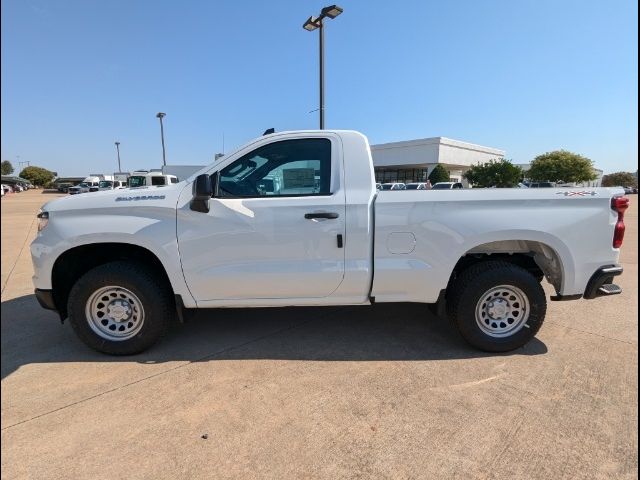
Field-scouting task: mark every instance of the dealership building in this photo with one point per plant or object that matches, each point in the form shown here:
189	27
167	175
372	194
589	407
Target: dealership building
413	160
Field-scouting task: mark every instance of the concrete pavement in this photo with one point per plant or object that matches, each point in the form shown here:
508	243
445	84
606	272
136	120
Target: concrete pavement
358	392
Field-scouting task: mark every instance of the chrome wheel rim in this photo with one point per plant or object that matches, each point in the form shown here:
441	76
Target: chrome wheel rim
114	313
502	311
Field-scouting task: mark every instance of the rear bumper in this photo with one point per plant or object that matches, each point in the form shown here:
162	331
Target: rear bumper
601	283
45	299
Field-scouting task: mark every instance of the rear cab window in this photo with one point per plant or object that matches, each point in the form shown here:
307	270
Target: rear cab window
158	180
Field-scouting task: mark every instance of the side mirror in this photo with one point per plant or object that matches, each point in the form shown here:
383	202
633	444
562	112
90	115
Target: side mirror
202	192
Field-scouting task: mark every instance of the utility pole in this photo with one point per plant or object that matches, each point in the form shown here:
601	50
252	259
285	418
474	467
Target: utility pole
118	149
161	115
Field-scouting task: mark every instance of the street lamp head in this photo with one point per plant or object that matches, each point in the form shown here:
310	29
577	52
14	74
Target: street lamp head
160	115
311	24
332	11
117	143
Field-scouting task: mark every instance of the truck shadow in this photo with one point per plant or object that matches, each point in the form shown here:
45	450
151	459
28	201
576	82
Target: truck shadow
391	332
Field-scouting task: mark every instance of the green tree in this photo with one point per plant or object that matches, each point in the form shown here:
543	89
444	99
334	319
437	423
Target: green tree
494	173
37	175
620	179
7	168
438	174
561	166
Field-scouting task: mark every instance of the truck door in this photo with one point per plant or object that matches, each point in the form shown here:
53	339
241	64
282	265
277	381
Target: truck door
275	227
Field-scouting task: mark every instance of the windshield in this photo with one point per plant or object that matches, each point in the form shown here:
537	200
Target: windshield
105	184
82	185
386	186
136	181
441	186
412	186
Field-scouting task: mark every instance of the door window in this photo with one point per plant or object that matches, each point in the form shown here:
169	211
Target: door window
300	167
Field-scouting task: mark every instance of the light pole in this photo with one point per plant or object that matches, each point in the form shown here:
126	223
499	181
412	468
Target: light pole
118	150
310	25
161	115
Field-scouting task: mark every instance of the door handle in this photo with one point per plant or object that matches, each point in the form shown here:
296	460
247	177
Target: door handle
311	216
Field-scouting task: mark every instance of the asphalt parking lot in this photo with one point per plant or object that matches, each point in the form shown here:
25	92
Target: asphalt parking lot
359	392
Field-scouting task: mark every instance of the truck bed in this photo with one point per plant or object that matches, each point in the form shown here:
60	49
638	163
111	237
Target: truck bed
421	235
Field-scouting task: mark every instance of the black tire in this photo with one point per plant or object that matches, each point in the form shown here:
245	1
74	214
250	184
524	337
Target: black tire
474	283
153	293
433	309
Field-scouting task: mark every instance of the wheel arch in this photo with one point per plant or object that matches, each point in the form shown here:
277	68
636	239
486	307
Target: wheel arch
536	256
76	261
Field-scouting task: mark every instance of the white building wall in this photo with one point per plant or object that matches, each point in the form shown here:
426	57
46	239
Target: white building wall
454	152
429	151
406	153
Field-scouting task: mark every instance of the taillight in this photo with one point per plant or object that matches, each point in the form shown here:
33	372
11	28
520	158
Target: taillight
619	204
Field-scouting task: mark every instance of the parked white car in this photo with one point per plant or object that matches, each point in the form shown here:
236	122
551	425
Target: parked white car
417	186
120	265
105	183
447	186
540	184
92	181
111	185
393	186
82	187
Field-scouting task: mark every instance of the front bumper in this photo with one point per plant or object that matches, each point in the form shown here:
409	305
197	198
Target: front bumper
45	299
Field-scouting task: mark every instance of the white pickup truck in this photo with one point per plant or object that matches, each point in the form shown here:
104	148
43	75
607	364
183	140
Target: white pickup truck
294	218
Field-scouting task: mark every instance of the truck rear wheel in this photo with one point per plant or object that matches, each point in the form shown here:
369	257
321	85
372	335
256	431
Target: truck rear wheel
120	308
497	306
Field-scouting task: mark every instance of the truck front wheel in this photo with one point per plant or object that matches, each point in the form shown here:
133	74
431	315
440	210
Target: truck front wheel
120	308
497	306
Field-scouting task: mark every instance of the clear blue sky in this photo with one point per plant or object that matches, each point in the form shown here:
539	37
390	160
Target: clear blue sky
525	76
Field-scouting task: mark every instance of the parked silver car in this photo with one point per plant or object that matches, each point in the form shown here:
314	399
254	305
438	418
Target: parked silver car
80	188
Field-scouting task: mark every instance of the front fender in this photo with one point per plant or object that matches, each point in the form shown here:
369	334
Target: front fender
153	229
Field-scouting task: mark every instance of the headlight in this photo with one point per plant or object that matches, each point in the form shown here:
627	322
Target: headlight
43	220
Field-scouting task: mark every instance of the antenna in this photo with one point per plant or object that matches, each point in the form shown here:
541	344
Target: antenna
269	131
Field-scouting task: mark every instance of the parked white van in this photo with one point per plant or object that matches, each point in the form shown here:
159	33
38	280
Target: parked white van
144	178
